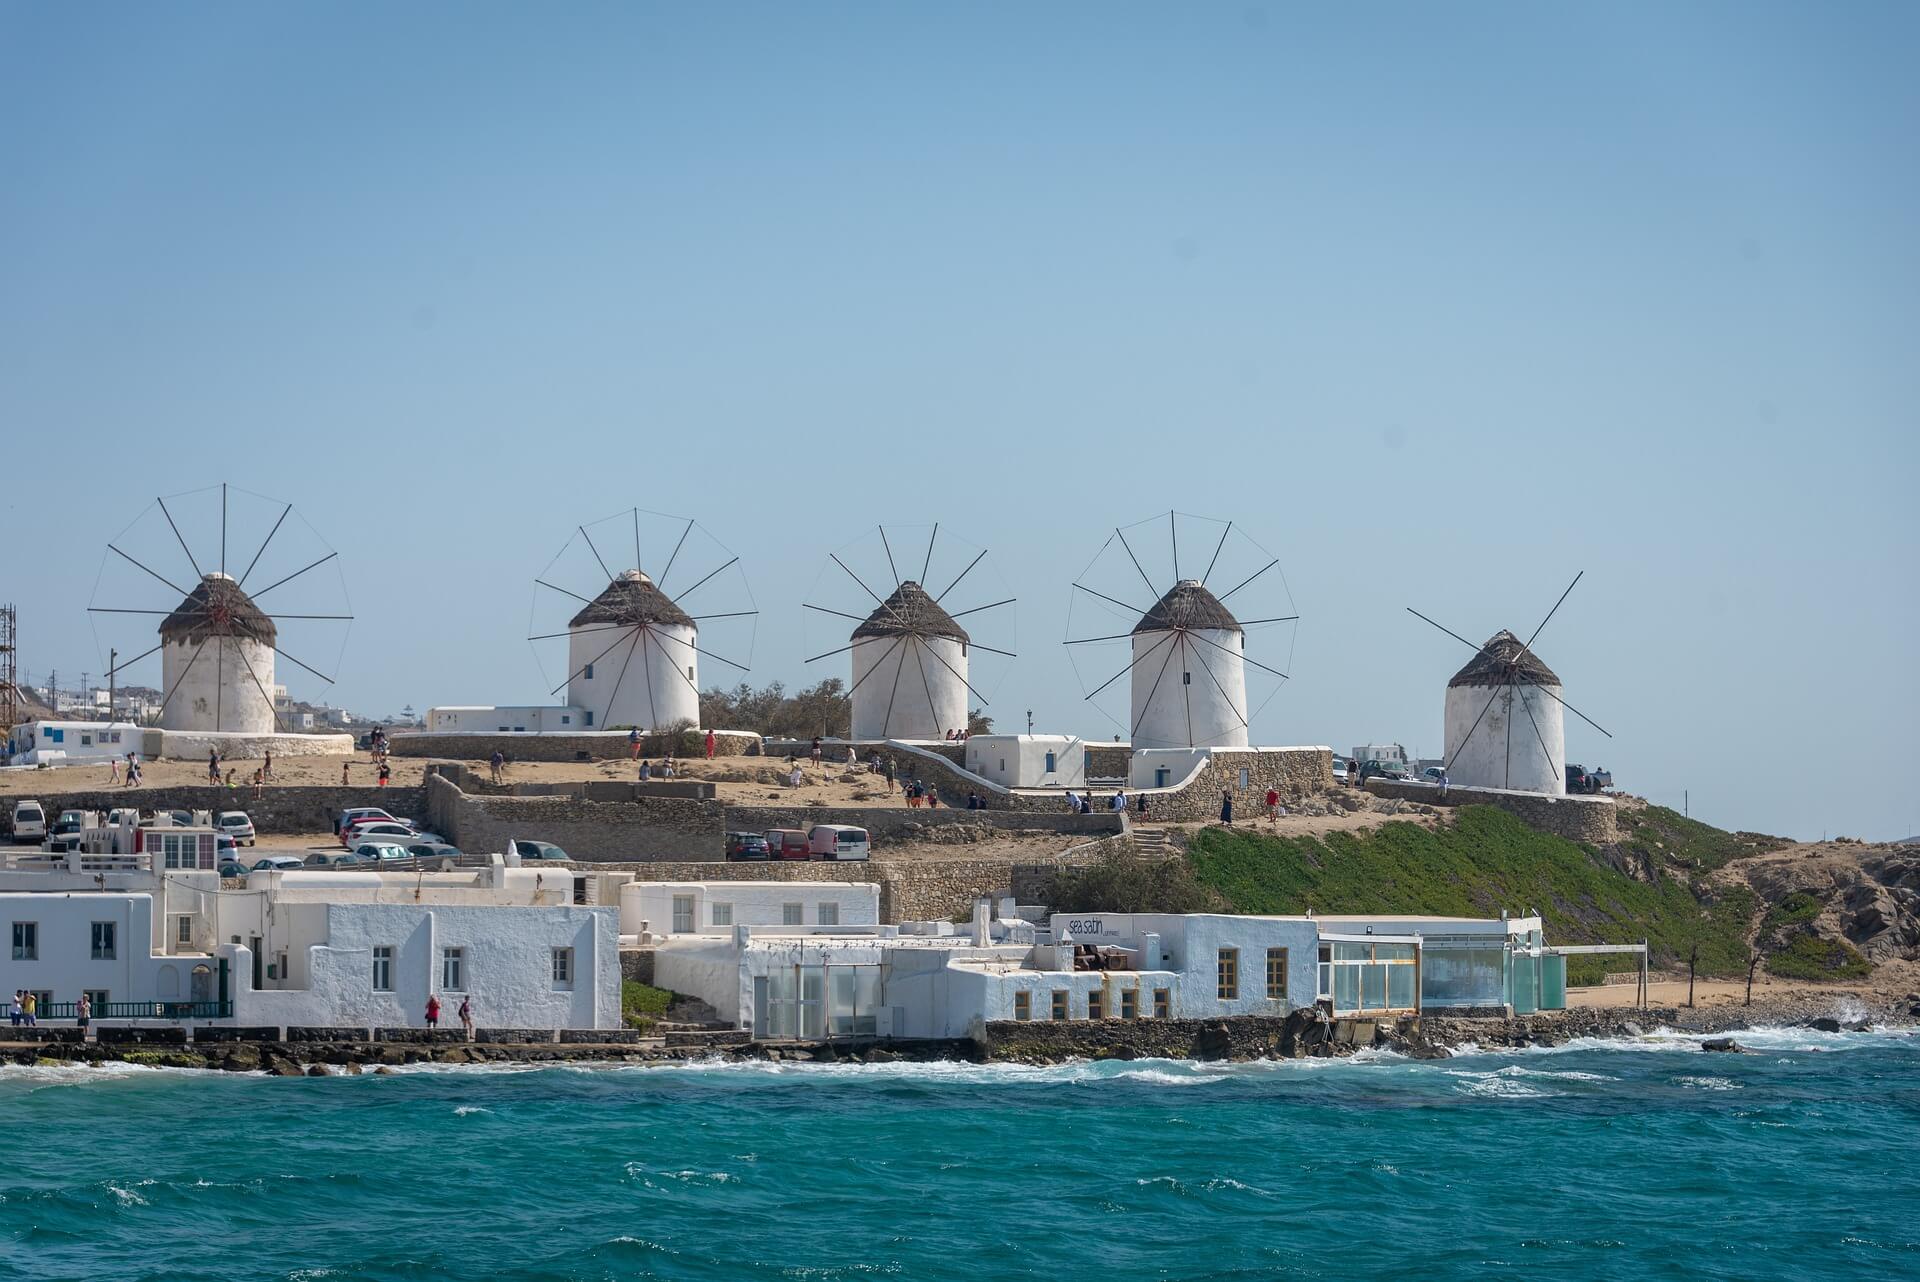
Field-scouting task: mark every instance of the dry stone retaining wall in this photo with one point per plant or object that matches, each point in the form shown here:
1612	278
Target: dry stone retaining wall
603	746
645	830
1588	819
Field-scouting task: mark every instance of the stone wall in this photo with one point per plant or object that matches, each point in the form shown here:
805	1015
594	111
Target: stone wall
1587	819
1295	773
644	830
899	821
601	746
276	811
1233	1037
1108	760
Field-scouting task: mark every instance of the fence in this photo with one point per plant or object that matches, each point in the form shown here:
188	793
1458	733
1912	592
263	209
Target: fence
139	1010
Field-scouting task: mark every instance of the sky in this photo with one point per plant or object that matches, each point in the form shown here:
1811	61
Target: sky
1441	304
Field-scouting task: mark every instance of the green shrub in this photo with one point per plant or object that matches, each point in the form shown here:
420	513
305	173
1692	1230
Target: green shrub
1796	909
1667	838
642	1005
1807	956
1485	861
1126	884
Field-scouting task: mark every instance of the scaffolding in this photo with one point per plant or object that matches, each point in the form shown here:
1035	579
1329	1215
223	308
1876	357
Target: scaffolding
10	702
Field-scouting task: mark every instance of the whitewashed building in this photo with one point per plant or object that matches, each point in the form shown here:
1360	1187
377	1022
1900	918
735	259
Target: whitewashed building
1504	725
217	661
1029	760
37	743
656	909
909	670
521	719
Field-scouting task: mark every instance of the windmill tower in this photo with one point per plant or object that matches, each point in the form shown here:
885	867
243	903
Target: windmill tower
219	646
633	650
911	657
1188	652
1505	722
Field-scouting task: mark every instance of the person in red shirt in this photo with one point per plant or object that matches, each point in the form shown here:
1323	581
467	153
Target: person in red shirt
709	745
433	1010
1273	805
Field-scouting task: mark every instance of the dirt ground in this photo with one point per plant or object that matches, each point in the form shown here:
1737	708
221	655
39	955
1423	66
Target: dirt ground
1894	979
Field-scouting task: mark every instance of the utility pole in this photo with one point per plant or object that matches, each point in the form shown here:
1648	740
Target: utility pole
1693	960
113	667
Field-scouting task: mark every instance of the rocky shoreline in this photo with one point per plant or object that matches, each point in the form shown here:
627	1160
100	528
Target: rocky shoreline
1304	1034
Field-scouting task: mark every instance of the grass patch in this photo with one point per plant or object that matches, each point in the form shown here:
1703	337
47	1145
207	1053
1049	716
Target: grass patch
1796	909
1485	861
1667	838
1806	956
642	1005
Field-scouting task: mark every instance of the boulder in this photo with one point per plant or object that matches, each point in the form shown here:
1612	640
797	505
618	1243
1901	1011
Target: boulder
1823	1024
319	1070
1723	1046
1116	1052
881	1055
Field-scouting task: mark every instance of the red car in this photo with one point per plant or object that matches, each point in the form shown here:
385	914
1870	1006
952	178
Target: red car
788	843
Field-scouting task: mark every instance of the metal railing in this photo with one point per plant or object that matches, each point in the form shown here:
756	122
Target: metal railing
139	1010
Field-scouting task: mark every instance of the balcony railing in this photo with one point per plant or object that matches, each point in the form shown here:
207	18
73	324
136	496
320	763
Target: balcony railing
139	1010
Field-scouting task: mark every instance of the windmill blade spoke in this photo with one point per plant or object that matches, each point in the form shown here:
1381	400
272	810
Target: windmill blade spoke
1173	532
581	632
662	583
263	544
122	667
941	660
1216	553
271	710
1129	668
1536	732
842	613
1243	658
219	678
731	614
888	547
928	563
1575	711
920	660
870	671
183	543
1250	578
614	697
1153	591
1104	597
829	654
975	645
589	663
102	609
596	553
1222	689
335	617
169	582
703	582
646	647
1283	618
1470	729
664	636
678	671
290	659
637	563
1153	689
191	660
1556	609
1449	631
223	527
563	592
296	574
1118	636
886	722
976	609
963	574
1186	687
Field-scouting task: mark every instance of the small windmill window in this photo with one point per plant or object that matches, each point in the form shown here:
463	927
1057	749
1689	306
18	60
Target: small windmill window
1186	678
587	673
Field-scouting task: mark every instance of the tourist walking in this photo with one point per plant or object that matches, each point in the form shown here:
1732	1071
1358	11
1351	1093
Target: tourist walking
1273	804
1226	807
213	766
83	1014
266	769
32	1009
386	771
466	1016
113	770
346	766
496	762
1118	802
633	744
433	1010
889	774
709	745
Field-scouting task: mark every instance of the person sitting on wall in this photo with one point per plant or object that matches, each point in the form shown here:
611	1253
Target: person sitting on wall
646	771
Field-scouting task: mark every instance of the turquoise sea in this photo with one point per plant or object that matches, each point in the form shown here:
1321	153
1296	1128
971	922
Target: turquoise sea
1630	1160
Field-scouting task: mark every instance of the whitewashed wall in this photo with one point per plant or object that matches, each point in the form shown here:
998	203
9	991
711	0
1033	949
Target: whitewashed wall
1179	701
754	903
507	719
1020	760
1506	751
660	685
903	688
219	682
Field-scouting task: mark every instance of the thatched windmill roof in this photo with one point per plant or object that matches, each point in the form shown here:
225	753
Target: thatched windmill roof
1504	660
1187	604
908	612
217	607
629	601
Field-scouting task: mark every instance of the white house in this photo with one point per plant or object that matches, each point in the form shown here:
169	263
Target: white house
524	719
1504	724
1029	760
663	908
34	743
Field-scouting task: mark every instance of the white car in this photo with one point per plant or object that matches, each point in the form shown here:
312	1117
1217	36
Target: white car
236	825
278	863
29	821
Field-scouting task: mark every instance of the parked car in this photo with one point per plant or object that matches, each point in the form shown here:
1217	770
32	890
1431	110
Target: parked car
375	852
359	812
1581	779
545	851
225	846
1433	774
390	829
65	833
178	818
1339	769
747	846
230	866
29	821
332	859
1375	769
787	843
278	863
439	850
841	842
235	824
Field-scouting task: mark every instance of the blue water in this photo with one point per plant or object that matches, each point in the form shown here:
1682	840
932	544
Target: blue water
1627	1160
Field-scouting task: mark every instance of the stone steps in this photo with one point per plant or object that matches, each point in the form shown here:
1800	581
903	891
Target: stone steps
708	1037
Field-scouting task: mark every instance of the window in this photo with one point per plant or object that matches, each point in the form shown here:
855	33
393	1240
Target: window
453	969
1096	1005
1162	1003
682	914
1276	972
690	675
565	720
104	941
1186	678
790	915
829	914
26	941
383	969
1228	988
1060	1003
563	968
183	931
723	914
586	673
1049	763
1129	1003
1023	1005
1243	778
589	718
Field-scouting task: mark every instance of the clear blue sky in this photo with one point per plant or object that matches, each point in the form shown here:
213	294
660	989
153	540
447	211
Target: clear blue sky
1441	303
